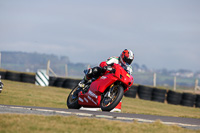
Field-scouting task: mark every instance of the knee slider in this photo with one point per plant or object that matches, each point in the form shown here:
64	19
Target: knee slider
96	71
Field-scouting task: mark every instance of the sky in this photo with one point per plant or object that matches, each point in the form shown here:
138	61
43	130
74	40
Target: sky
161	33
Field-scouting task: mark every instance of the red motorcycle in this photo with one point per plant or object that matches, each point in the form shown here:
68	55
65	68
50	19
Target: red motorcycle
105	92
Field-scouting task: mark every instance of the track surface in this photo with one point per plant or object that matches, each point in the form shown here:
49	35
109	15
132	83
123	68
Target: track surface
183	122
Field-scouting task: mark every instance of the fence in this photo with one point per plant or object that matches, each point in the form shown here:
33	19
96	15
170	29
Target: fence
170	82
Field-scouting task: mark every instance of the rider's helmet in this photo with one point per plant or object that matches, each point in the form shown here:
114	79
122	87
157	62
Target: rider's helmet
126	57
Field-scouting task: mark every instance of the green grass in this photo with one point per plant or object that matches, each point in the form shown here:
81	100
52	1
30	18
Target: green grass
17	93
139	106
15	123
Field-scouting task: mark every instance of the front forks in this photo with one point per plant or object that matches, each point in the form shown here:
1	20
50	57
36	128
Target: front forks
108	93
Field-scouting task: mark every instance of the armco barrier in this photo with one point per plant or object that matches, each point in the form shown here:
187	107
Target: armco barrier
143	92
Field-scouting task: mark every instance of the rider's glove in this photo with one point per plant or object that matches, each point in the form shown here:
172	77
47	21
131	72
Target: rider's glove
109	68
113	70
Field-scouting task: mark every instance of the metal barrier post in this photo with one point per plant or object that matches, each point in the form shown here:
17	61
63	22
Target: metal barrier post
154	79
174	82
49	69
66	70
196	85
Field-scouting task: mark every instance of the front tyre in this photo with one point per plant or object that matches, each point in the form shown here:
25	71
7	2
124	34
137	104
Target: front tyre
72	100
110	101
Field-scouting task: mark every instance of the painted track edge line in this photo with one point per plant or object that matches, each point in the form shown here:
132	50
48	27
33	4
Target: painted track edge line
104	116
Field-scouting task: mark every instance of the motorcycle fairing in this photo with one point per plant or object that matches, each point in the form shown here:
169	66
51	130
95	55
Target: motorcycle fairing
101	84
92	98
89	100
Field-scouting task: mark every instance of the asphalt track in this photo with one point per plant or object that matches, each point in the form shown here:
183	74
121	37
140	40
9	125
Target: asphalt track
189	123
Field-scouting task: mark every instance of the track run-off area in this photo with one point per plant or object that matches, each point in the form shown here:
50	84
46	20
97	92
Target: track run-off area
190	123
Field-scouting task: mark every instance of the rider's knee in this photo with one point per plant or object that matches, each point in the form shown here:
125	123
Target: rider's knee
96	71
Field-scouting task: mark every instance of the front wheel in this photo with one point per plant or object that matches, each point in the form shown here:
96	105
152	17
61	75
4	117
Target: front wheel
72	100
112	98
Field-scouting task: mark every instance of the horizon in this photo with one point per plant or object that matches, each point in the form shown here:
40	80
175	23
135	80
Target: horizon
59	56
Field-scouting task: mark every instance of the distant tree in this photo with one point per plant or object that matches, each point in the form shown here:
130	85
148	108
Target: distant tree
144	67
135	66
164	71
184	71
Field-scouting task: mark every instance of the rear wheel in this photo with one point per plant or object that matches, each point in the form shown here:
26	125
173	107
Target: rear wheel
112	98
72	100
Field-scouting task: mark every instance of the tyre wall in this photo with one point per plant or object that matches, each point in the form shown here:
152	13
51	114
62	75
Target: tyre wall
30	78
159	95
188	99
197	101
174	97
132	92
145	92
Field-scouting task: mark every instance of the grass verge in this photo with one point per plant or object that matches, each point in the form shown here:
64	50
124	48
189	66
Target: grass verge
14	123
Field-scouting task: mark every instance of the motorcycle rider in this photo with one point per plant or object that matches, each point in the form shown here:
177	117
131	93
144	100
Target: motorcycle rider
125	60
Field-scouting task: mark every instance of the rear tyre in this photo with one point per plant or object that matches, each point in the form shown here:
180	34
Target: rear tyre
72	100
109	103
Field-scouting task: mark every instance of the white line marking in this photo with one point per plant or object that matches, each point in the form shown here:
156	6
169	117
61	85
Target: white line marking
104	116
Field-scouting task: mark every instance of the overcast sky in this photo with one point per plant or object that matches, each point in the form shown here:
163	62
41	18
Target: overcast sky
161	33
